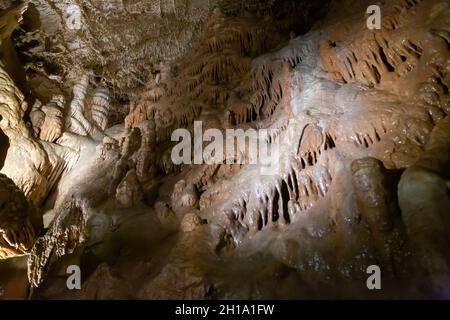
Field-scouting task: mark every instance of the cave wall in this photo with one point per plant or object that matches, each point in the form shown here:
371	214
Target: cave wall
358	116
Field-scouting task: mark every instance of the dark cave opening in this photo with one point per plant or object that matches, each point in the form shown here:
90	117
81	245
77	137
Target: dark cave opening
4	146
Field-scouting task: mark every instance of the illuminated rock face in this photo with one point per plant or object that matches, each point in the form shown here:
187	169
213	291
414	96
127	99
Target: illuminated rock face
358	116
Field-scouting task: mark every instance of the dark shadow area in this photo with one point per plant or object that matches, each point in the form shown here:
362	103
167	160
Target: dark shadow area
4	146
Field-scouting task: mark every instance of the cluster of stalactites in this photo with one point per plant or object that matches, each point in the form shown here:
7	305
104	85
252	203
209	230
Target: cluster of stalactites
216	75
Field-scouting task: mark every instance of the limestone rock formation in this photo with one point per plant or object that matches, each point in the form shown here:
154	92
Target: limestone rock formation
76	121
61	239
33	165
128	192
20	222
100	108
37	118
184	195
423	197
355	119
52	128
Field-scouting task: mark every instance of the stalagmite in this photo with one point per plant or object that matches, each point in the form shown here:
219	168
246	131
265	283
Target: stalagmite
373	202
62	238
423	198
128	192
146	157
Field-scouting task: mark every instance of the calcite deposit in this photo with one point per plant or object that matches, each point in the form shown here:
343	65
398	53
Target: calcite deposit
93	95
